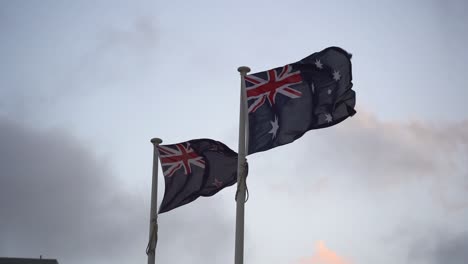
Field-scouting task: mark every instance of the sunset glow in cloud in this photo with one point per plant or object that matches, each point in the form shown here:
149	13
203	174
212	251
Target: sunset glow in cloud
324	255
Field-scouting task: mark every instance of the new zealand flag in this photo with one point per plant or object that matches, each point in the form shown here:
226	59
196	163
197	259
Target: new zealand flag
200	167
286	102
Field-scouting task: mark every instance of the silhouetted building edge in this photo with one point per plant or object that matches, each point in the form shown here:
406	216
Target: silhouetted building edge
27	261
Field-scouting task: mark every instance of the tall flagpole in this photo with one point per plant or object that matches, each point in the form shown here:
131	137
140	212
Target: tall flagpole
241	175
153	227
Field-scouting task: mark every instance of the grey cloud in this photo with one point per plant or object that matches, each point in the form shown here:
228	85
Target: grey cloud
381	155
411	175
119	51
407	158
197	233
114	60
453	250
59	200
437	247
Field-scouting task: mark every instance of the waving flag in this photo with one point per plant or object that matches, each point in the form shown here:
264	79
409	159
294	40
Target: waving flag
195	168
268	88
286	102
179	156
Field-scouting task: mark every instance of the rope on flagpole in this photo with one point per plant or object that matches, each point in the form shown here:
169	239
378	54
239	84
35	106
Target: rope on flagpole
150	249
245	172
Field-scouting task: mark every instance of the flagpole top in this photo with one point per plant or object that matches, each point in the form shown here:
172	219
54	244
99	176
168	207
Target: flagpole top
156	141
243	69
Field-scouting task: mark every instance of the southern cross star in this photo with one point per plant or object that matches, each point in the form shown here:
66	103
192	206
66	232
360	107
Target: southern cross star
274	127
336	75
318	64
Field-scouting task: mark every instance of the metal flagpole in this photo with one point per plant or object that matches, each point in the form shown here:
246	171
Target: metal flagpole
153	227
241	176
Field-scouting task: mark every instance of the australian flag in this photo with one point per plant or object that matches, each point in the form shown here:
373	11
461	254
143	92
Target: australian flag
200	167
286	102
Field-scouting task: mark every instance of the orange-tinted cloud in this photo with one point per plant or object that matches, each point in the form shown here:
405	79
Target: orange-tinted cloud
324	255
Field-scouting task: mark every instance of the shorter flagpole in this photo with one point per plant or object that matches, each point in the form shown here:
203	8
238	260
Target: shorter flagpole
153	227
241	175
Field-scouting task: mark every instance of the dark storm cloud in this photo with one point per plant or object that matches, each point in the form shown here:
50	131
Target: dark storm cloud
59	200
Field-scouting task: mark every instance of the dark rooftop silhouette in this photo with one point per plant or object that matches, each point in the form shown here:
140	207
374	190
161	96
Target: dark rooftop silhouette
27	261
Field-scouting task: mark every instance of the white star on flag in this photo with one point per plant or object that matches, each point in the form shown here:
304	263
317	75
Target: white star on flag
274	127
318	64
336	75
328	118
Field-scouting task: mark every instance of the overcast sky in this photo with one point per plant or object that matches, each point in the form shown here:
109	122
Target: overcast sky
84	86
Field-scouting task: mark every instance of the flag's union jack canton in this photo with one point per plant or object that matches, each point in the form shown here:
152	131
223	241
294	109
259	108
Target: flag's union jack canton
199	167
286	102
179	157
260	89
